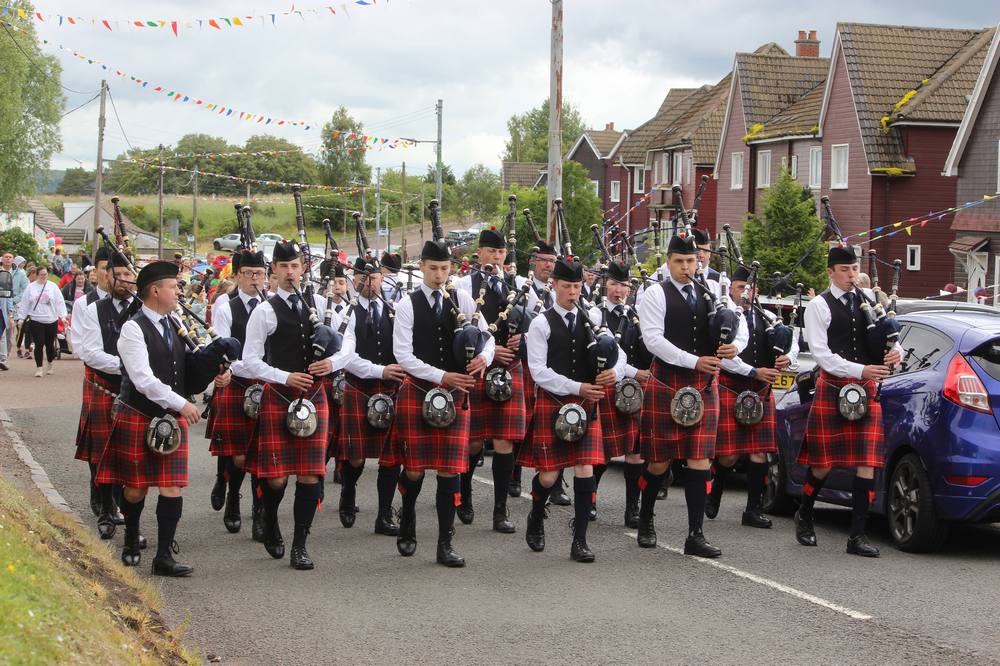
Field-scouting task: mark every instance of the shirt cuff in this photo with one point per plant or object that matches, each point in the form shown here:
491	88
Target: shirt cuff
280	377
177	402
574	388
855	370
438	376
687	360
631	371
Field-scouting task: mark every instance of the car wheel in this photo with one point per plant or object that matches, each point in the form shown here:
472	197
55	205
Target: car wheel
776	500
217	245
913	523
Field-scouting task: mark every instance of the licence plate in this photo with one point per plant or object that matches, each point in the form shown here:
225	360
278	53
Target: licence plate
784	381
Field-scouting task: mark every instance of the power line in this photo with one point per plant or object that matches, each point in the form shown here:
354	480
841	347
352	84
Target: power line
81	106
38	67
113	108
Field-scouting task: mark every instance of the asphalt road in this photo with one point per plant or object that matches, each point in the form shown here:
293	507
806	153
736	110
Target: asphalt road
766	600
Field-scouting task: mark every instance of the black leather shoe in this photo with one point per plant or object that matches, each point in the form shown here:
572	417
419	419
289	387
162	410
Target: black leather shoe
406	540
501	520
257	526
698	546
580	551
165	565
647	532
231	518
348	512
713	500
592	515
95	499
273	541
142	542
385	524
300	560
534	535
447	555
632	516
466	513
218	493
514	489
131	556
117	517
106	526
756	519
559	497
804	531
860	545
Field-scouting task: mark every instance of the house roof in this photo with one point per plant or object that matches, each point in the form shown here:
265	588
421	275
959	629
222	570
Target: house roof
676	102
799	119
908	74
601	142
983	83
772	82
700	125
524	174
47	221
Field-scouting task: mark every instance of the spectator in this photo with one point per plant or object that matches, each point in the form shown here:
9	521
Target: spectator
20	284
42	306
91	273
6	307
75	288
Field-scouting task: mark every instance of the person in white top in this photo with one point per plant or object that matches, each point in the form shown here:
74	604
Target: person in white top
42	307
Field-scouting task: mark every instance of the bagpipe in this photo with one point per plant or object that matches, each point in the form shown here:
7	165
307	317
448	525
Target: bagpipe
248	242
537	239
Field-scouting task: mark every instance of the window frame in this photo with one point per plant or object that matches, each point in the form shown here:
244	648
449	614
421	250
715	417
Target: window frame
677	172
763	175
639	180
615	195
915	265
794	168
845	150
736	175
816	160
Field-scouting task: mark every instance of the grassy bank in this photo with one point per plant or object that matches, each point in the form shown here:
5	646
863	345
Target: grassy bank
64	599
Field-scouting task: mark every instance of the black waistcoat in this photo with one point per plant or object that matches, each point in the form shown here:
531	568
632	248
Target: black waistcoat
685	329
567	352
374	344
289	348
111	322
92	296
758	352
167	366
846	335
493	305
631	340
432	340
241	315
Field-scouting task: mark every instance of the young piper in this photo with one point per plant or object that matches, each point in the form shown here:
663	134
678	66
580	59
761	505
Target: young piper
754	369
422	340
836	333
558	361
279	351
674	322
371	370
153	384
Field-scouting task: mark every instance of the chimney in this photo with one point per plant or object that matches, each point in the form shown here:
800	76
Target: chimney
807	46
609	126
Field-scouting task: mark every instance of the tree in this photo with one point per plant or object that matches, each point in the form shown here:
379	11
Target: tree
77	181
479	191
529	133
18	242
447	175
342	158
31	105
788	230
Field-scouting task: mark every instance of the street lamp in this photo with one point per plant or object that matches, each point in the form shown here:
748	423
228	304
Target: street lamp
437	175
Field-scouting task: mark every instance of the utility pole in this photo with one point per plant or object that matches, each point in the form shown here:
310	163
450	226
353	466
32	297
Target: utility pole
159	245
378	203
402	215
194	213
364	220
99	179
440	164
555	119
421	218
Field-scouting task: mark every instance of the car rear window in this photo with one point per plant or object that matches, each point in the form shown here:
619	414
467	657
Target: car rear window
987	355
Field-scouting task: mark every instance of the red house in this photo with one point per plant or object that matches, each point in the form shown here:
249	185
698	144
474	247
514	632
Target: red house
593	150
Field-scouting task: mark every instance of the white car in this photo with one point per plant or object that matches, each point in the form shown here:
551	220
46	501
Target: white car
227	242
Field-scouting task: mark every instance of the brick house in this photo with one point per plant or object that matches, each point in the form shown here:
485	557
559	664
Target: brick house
593	150
522	174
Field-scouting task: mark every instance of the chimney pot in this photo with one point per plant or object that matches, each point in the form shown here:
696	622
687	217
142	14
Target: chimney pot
812	34
802	34
609	126
807	46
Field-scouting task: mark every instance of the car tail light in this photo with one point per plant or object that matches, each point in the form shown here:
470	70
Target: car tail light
957	480
963	387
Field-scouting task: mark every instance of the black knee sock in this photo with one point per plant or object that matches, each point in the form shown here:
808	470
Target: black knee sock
409	490
107	491
351	474
810	490
632	472
132	511
93	471
515	474
466	479
584	491
599	471
503	463
304	510
272	498
386	482
539	494
168	514
448	491
236	476
862	495
256	492
220	467
561	480
696	488
649	486
720	473
756	480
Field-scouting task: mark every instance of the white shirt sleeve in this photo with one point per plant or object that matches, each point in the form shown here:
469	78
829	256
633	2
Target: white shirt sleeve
652	310
135	358
402	346
78	325
222	317
357	365
262	324
91	349
544	376
817	320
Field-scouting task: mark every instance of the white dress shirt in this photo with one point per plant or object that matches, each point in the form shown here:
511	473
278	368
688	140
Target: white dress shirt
43	303
597	315
817	320
135	357
538	352
79	323
402	334
358	366
91	349
222	322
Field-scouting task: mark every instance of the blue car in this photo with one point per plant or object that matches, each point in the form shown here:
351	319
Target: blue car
942	441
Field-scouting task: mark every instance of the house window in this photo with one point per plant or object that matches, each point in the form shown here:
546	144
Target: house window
616	191
764	169
690	170
736	182
784	163
816	167
838	167
597	188
639	174
794	171
665	169
913	257
678	168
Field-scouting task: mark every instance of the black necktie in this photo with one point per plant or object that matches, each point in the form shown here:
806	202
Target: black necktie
293	301
548	299
851	301
376	315
619	311
569	321
689	292
497	288
437	305
339	308
253	303
751	323
167	337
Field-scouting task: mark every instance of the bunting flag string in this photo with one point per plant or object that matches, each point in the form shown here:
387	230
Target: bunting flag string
177	25
916	222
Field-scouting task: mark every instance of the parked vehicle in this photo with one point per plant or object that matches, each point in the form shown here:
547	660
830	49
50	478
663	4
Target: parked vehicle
227	242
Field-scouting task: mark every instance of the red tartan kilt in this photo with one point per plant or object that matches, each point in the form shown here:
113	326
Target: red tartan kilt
229	428
544	451
498	420
333	429
273	451
127	461
418	446
661	438
620	431
357	438
833	441
734	438
95	417
529	390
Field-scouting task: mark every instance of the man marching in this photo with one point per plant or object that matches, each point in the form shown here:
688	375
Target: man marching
422	342
836	333
153	387
674	322
753	370
558	361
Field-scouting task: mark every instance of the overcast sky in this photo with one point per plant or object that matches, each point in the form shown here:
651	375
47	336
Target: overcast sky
487	59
